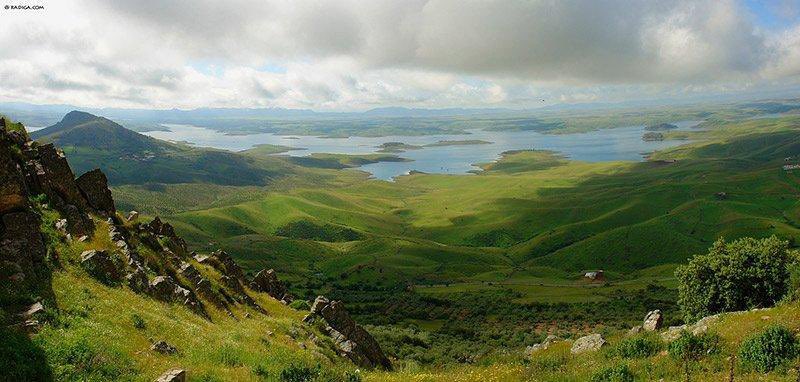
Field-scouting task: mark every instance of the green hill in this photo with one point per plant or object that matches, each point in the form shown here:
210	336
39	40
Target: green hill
130	158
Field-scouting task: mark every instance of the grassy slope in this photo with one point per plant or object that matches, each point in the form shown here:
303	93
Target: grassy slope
93	336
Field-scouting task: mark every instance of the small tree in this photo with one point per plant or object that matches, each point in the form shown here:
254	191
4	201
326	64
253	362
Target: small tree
732	276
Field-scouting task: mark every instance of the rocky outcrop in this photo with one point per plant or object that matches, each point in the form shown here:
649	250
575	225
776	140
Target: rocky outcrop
267	281
100	265
592	342
94	187
653	321
164	288
225	264
354	342
159	228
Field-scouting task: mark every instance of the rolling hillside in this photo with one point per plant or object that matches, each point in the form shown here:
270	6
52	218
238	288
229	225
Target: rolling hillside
130	158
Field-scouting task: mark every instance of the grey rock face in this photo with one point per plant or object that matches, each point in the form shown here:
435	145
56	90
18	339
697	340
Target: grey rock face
94	187
592	342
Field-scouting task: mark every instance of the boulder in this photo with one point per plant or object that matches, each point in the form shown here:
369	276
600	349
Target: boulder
541	346
353	341
163	288
100	265
653	321
94	187
592	342
132	216
173	375
163	347
267	281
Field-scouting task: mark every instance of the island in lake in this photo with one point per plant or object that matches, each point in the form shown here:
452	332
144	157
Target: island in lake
396	147
459	143
652	136
660	127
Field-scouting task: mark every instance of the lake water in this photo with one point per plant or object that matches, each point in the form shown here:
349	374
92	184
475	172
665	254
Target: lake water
624	143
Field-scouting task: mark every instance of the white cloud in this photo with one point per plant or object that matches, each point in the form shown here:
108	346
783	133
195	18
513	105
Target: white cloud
354	54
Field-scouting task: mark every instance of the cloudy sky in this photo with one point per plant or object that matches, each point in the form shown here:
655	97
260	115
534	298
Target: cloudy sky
355	55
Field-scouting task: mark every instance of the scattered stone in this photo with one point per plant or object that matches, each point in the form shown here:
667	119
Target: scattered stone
173	375
541	346
592	342
61	226
33	311
99	265
653	321
83	238
132	216
163	348
673	332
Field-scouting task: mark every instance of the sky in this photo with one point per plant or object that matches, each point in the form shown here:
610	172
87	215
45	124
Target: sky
355	55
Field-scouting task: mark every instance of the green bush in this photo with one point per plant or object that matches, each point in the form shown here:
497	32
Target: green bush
616	373
138	321
299	373
739	275
693	347
769	349
229	355
641	346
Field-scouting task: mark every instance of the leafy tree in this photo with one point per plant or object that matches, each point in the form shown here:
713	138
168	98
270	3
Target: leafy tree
732	276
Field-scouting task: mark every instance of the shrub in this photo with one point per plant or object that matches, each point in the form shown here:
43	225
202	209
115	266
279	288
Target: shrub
769	349
693	347
641	346
229	356
138	321
616	373
734	276
299	373
300	305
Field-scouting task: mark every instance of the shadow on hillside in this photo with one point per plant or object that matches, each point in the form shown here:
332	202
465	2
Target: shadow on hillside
21	359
